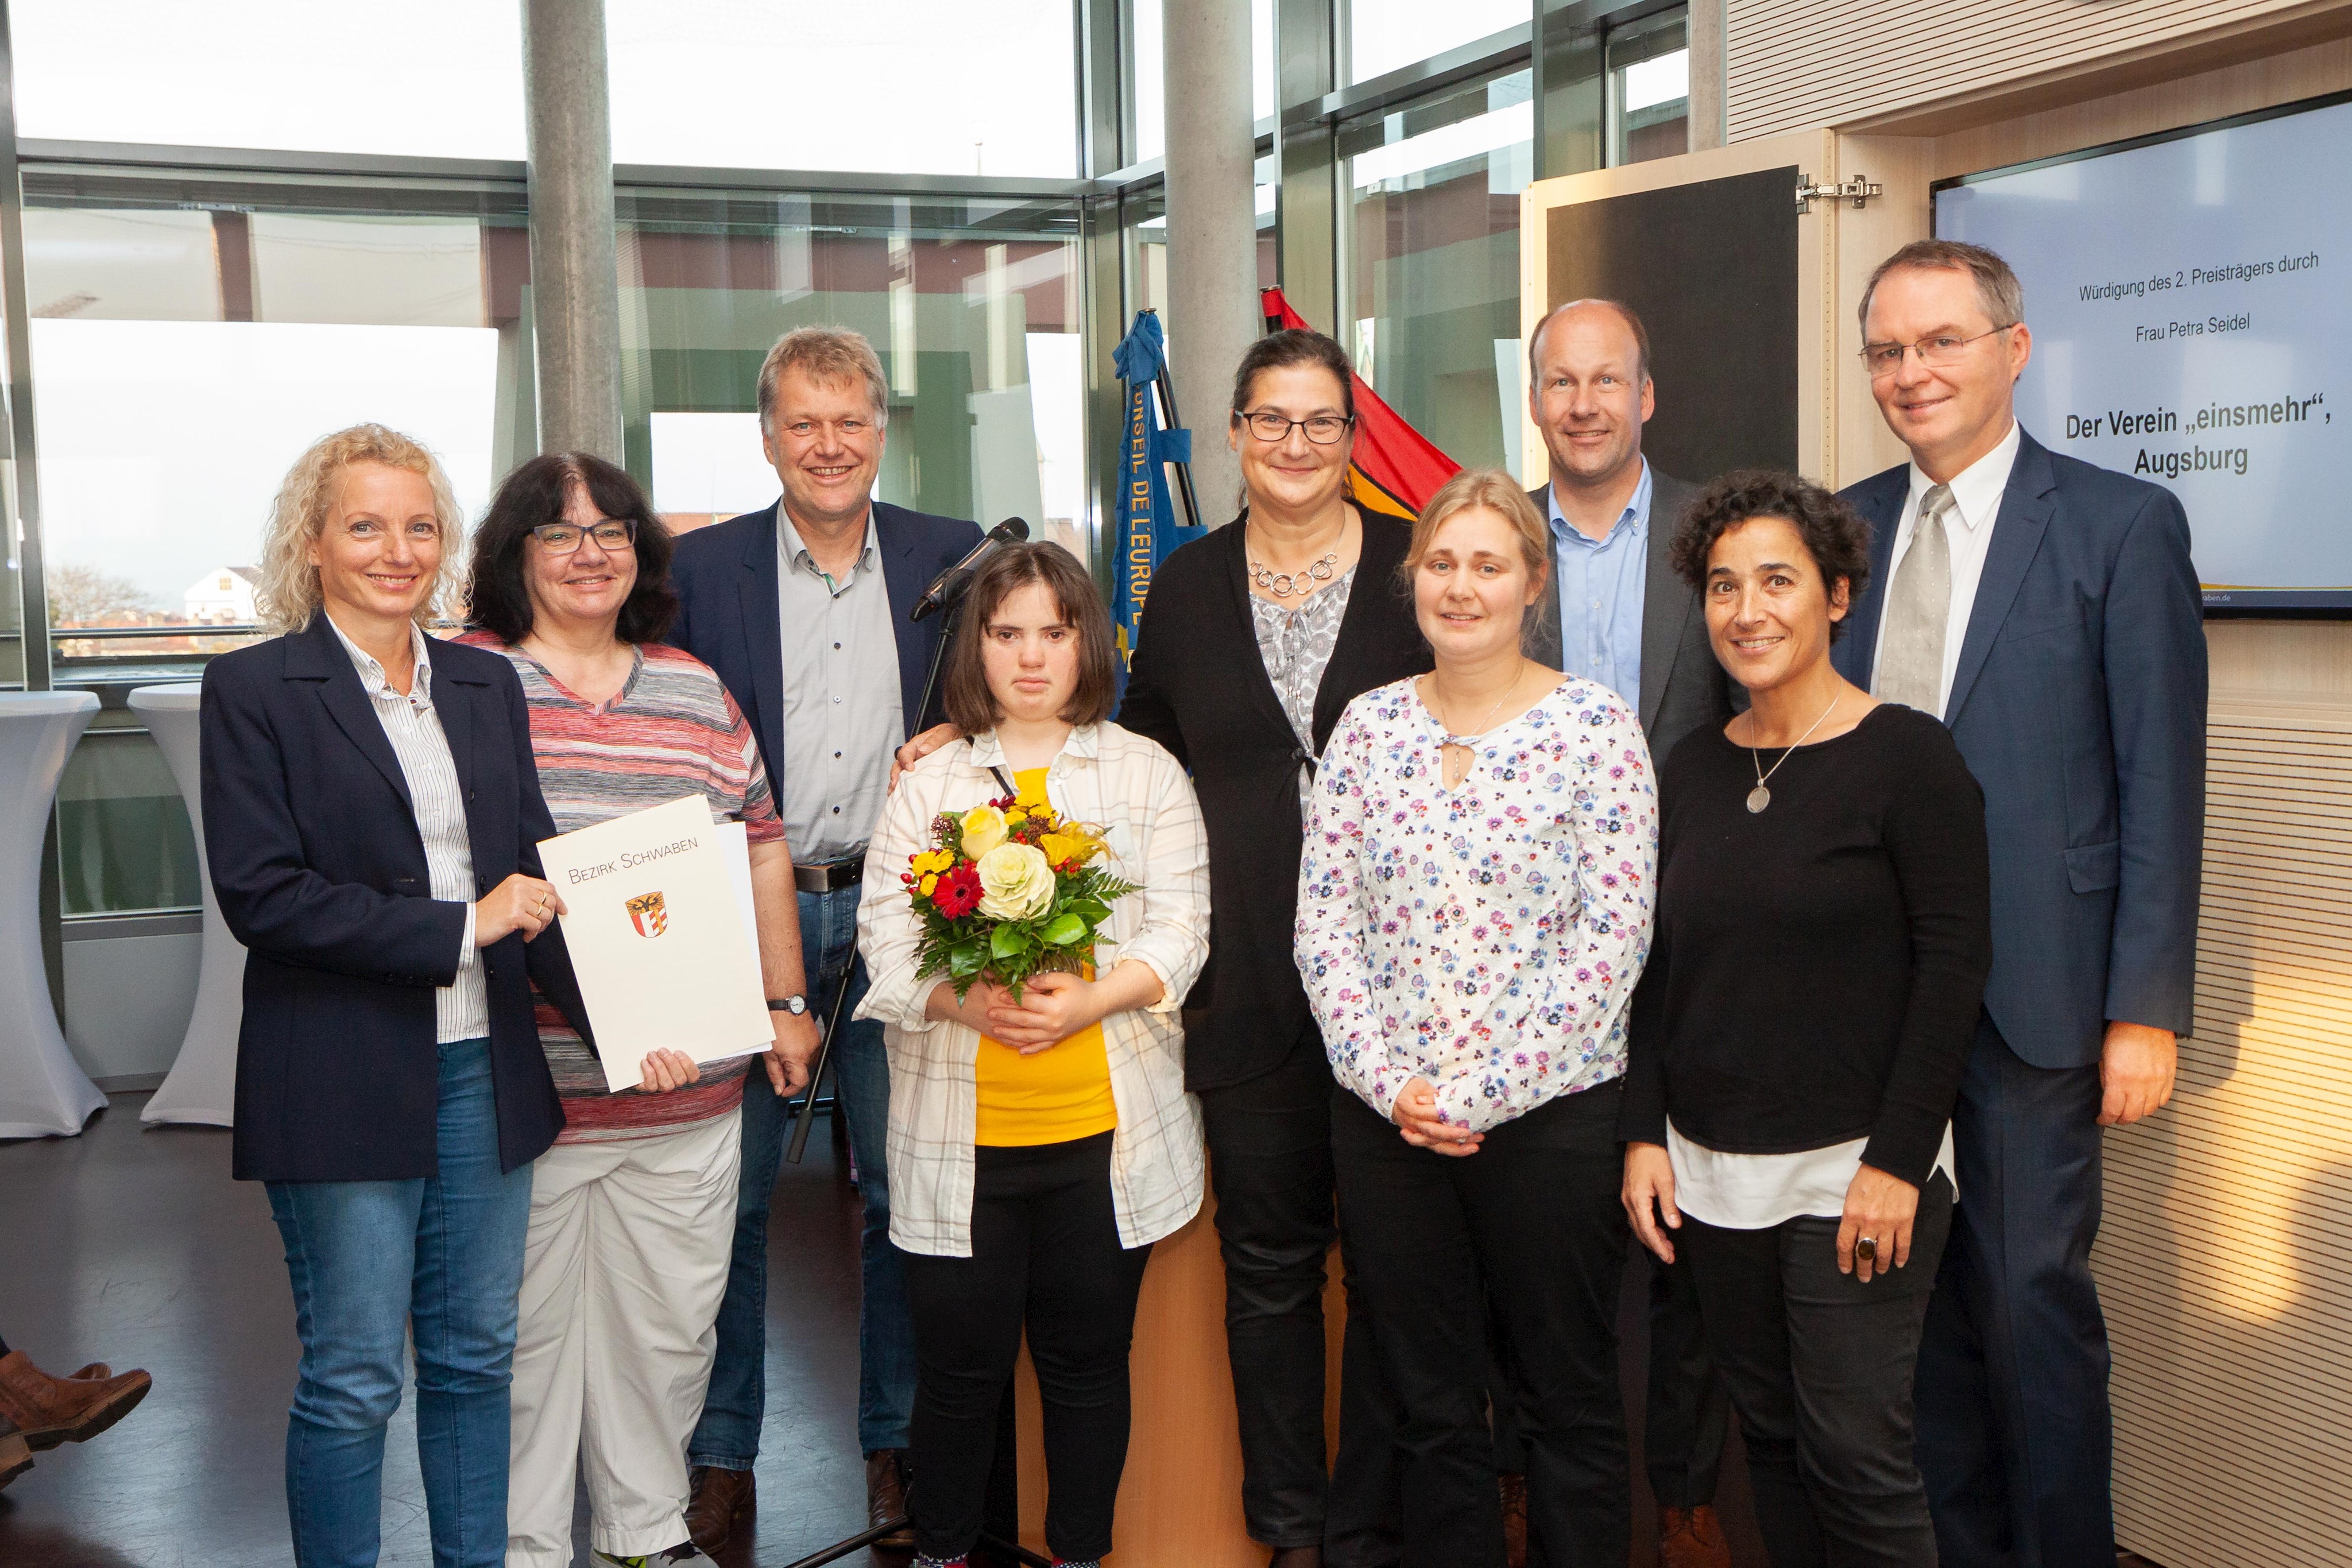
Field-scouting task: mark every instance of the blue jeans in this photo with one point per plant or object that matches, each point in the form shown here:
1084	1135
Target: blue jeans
728	1436
370	1260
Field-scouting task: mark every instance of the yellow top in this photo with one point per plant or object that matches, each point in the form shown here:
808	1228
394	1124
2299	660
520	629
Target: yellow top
1057	1094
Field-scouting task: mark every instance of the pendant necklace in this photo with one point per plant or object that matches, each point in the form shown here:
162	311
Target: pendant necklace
1759	797
1285	584
1449	743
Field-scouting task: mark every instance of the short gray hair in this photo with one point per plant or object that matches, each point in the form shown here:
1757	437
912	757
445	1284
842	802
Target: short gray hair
1998	290
1633	321
823	354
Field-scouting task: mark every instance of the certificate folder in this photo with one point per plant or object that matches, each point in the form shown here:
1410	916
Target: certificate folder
664	956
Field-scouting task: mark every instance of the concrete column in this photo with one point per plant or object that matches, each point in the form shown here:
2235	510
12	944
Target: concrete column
575	281
1710	74
1213	309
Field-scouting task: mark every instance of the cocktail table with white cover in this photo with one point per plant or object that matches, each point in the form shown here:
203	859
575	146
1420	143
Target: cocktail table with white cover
43	1093
201	1085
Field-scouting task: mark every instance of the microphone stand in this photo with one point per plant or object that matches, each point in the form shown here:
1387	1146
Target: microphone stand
951	615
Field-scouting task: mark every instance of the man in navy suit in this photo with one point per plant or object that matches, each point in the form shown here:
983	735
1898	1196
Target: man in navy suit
2047	609
803	609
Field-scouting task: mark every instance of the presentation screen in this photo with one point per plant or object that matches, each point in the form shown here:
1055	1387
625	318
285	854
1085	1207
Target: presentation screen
2190	297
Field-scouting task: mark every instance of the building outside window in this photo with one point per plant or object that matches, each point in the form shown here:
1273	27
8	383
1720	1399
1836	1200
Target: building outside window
1649	87
973	305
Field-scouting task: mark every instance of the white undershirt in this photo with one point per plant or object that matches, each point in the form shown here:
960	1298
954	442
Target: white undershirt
1755	1192
1977	490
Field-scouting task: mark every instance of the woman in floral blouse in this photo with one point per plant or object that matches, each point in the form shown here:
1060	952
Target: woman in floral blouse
1474	910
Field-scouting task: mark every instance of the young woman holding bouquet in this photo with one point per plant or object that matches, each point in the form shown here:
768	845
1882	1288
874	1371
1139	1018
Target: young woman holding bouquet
1474	910
1039	1143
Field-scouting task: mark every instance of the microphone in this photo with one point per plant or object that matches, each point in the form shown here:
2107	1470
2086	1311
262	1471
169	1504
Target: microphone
949	585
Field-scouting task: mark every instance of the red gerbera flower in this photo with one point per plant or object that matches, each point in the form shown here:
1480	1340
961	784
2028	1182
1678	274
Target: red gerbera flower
957	892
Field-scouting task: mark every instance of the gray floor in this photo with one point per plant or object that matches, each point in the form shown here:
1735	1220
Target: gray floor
134	1245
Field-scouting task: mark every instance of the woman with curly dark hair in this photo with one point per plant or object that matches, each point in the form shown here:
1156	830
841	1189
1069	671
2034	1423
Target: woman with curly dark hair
632	1210
1823	933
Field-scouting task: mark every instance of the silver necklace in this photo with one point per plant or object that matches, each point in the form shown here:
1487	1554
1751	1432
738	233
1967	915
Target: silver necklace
1759	797
1283	584
1488	722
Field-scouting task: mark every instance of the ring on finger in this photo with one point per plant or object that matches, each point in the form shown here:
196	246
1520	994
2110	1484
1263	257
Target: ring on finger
1866	1250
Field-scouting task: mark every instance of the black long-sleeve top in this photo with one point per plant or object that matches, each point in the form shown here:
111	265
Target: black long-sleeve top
1819	965
1199	687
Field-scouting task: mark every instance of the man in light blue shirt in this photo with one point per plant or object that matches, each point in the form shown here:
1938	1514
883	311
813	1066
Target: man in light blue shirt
1618	614
1601	579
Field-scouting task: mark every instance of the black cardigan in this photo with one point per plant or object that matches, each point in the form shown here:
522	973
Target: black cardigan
1199	687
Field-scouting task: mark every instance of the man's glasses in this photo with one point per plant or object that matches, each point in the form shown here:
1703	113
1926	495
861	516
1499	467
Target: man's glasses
562	538
1323	430
1940	352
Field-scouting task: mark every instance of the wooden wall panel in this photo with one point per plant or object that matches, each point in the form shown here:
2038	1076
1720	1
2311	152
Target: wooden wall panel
1794	64
2225	1262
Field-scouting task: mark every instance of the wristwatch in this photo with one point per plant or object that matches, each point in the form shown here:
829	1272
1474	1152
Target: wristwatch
796	1006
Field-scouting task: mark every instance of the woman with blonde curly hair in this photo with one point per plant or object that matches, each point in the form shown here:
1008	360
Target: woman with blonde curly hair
372	814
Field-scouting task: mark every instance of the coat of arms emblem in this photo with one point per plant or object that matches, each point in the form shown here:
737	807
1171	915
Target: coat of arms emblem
647	914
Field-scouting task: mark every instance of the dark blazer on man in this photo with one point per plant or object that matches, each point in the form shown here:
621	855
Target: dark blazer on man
1199	687
2079	704
321	873
726	578
1682	682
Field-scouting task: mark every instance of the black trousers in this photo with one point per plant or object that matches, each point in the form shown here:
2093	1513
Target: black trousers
1044	1255
1687	1411
2016	1438
1532	1224
1270	1162
1820	1367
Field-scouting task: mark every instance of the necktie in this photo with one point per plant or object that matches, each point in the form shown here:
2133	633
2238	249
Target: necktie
1919	609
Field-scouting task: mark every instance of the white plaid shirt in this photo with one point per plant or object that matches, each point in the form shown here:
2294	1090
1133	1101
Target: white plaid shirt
1138	795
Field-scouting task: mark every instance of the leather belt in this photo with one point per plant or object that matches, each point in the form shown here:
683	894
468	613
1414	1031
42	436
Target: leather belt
830	877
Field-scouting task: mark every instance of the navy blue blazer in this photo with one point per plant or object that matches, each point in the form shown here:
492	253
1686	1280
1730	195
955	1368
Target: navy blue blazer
725	581
2079	705
321	873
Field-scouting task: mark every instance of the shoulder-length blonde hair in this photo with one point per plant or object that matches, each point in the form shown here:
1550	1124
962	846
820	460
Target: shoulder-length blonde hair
288	594
1498	493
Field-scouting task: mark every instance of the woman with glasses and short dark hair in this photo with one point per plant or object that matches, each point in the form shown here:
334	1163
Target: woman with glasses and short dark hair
632	1210
1823	933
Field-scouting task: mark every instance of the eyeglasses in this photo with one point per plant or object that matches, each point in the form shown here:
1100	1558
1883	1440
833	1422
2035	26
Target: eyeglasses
563	539
1323	429
1937	353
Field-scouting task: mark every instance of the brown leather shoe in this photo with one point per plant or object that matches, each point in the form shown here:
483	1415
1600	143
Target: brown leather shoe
15	1454
888	1481
1692	1538
714	1500
1515	1520
53	1410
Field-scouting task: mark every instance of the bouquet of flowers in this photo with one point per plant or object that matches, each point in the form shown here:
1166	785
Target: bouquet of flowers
1008	890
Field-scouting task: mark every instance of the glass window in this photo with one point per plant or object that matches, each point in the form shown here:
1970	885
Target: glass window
426	78
1389	34
191	337
828	86
1431	263
1649	89
971	304
1148	64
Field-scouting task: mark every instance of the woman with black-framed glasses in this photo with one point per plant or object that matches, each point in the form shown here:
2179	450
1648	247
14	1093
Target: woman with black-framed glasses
632	1210
1254	638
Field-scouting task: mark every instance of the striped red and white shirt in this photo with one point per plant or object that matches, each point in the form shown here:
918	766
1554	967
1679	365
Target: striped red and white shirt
672	729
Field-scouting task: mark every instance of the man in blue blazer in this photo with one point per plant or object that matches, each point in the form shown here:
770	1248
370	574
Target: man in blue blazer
2048	611
803	609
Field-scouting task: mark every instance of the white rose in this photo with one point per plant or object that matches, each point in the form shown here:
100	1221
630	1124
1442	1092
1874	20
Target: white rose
1015	882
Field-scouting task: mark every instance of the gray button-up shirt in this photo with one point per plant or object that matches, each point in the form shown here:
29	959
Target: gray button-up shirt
841	719
460	1010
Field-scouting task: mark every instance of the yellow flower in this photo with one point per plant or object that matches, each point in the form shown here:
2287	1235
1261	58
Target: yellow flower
1072	849
931	880
930	863
983	829
1015	815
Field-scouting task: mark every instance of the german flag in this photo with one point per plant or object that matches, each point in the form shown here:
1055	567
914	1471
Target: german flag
1395	470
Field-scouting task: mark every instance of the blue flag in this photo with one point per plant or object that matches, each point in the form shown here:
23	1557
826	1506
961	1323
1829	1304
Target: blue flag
1148	526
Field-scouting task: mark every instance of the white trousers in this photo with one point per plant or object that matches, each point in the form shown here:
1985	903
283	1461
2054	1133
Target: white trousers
622	1276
